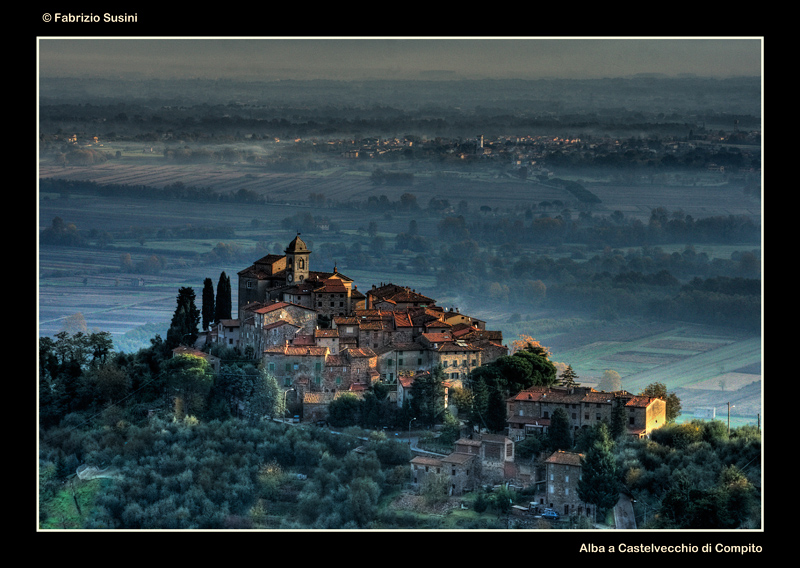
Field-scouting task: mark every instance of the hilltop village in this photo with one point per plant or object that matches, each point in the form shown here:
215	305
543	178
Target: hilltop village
322	337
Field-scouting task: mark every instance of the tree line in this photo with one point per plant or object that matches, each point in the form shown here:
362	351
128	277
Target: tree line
190	448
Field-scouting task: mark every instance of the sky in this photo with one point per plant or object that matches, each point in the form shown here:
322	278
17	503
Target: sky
402	58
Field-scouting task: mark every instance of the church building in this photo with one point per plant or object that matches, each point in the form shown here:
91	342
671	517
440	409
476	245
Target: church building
288	278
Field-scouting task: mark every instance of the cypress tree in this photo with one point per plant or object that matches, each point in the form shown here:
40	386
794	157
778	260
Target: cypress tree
599	483
183	328
209	310
223	305
559	435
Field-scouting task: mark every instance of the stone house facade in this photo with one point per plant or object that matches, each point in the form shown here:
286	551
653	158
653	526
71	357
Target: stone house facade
531	410
473	462
560	489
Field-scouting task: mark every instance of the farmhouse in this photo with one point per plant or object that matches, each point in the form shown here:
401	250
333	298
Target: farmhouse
531	410
481	460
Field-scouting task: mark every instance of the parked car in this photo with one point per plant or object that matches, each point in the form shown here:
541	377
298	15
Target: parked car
549	514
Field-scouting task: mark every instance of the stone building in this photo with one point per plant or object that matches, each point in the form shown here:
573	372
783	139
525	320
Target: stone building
560	489
531	410
288	278
483	460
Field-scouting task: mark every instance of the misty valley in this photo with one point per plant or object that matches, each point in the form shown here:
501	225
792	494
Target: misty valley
617	222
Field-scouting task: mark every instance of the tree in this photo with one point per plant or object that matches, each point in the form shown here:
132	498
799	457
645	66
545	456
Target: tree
209	310
619	423
183	327
599	483
659	390
223	306
427	400
568	377
559	435
610	381
190	379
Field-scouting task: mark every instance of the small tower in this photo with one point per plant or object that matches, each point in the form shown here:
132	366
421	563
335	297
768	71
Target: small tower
296	261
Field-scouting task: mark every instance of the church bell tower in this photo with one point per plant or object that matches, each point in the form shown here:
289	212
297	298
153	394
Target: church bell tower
296	261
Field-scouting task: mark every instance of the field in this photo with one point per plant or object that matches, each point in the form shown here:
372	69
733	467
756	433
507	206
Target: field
700	196
706	367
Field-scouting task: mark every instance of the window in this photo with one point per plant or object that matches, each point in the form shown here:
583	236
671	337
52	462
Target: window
288	367
271	367
399	361
419	361
318	367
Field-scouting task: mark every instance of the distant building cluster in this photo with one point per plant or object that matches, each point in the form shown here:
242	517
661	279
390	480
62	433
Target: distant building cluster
321	336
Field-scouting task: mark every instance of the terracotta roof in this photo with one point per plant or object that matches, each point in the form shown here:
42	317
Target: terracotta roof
270	259
425	460
326	333
565	458
332	285
402	319
459	458
266	308
640	401
357	352
335	361
303	339
438	337
296	350
456	347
